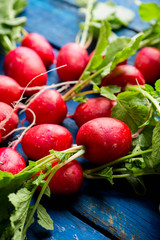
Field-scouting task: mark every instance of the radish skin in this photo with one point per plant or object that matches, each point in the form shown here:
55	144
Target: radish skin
68	179
105	139
8	118
148	62
48	107
76	58
24	64
11	161
123	75
39	139
92	108
41	46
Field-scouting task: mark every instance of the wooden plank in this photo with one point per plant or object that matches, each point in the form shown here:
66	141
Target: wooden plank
56	21
126	217
137	23
66	227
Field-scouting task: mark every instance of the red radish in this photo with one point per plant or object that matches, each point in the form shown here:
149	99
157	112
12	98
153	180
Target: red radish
68	179
105	139
123	75
76	58
11	161
11	123
48	106
10	90
39	139
24	64
148	62
0	136
92	108
41	46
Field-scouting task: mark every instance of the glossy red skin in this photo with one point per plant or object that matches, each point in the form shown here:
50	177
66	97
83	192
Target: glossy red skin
76	58
68	179
12	123
41	46
11	161
105	139
39	139
123	75
148	62
49	107
92	108
23	64
10	90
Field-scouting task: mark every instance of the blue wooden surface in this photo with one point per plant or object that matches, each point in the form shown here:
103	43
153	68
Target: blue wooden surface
99	211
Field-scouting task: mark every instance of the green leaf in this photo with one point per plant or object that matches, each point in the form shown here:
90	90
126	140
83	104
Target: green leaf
20	201
43	218
105	173
96	88
156	146
118	16
97	59
137	184
10	25
62	156
144	140
109	91
83	2
149	11
118	51
131	108
157	87
149	89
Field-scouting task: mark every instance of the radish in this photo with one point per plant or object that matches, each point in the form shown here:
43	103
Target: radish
23	65
8	119
148	62
48	107
11	161
104	139
76	58
123	75
92	108
68	179
41	46
10	90
39	139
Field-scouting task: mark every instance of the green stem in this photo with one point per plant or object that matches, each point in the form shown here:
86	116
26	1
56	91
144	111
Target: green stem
81	83
119	160
86	24
146	94
8	44
137	174
51	174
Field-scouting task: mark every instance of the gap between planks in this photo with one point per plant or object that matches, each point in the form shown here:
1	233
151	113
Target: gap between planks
92	224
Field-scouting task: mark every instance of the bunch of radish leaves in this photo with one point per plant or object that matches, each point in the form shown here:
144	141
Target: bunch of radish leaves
117	16
139	108
11	25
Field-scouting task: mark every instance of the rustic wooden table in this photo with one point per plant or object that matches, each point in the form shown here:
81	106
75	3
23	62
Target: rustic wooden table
99	211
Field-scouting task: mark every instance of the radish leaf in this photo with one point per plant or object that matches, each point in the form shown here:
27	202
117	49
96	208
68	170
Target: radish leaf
43	218
131	108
